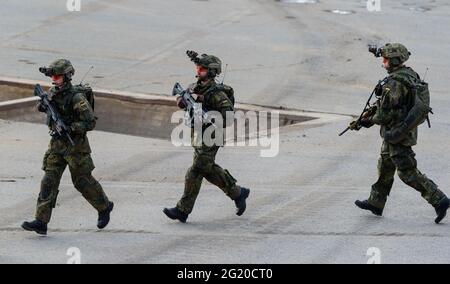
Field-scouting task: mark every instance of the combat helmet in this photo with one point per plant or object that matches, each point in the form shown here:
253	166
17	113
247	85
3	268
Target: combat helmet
396	52
210	62
62	67
59	67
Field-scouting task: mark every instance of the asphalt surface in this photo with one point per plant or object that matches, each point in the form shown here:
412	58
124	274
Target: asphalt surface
301	206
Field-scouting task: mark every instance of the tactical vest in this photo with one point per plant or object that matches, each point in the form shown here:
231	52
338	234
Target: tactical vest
64	102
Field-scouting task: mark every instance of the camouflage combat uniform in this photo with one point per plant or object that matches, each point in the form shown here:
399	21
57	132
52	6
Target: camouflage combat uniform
77	112
204	165
392	109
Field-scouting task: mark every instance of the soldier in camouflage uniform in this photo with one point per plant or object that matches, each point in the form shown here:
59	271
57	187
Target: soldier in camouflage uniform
396	112
214	98
76	111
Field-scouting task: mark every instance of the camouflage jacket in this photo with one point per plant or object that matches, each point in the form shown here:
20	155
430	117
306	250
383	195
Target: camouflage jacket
214	100
395	103
77	113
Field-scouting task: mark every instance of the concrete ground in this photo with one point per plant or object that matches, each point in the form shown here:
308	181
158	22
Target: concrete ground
301	207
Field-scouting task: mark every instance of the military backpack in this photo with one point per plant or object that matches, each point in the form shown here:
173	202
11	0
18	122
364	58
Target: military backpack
87	91
420	94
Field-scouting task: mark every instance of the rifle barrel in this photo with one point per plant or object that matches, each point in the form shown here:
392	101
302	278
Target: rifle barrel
343	132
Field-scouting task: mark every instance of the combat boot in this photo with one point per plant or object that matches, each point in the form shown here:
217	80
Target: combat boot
240	202
176	214
104	216
35	226
365	205
441	210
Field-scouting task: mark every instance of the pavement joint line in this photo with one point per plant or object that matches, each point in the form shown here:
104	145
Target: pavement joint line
255	234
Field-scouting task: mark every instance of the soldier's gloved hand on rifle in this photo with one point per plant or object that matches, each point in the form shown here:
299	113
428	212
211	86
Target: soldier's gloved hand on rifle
396	135
364	122
180	103
198	98
41	107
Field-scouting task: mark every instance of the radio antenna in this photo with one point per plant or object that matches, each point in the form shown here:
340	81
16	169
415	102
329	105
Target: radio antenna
87	72
224	73
425	75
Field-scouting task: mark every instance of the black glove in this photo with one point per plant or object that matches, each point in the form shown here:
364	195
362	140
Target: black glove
366	122
41	107
396	135
358	124
180	103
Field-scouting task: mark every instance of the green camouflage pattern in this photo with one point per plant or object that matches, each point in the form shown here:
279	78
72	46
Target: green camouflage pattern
401	158
211	62
395	104
215	97
204	165
418	102
81	167
75	111
395	50
62	67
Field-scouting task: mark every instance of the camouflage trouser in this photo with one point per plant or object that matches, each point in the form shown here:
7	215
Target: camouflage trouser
204	166
81	167
401	159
